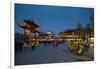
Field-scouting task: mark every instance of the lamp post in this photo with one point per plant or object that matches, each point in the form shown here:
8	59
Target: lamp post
73	35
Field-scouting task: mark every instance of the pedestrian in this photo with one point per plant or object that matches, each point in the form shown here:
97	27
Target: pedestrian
20	46
16	46
25	45
33	45
86	48
45	43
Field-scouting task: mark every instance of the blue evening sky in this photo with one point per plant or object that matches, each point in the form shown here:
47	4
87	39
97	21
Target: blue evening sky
52	18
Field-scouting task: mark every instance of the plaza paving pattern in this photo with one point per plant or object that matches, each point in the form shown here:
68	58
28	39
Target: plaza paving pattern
47	54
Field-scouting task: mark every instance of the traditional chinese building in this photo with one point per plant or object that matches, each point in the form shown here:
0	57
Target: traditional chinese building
69	34
30	27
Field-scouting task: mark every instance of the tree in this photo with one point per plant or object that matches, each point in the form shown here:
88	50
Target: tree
80	30
79	26
92	24
88	29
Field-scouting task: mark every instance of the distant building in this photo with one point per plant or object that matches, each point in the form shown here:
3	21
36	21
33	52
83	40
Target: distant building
69	34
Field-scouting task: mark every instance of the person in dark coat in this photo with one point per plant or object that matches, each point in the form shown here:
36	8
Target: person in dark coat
16	46
20	46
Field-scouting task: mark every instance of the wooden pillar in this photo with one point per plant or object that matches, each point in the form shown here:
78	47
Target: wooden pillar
37	36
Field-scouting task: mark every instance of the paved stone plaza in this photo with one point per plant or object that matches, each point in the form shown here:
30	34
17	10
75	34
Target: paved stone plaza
47	54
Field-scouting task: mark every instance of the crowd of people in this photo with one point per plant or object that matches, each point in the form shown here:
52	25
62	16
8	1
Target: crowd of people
21	45
77	47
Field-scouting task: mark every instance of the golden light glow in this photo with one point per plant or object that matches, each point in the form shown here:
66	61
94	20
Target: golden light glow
28	31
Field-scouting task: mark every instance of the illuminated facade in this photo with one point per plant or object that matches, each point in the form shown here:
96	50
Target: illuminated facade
64	35
30	27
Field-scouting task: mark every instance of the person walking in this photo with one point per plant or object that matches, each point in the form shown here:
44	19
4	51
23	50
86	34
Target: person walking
20	46
33	45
